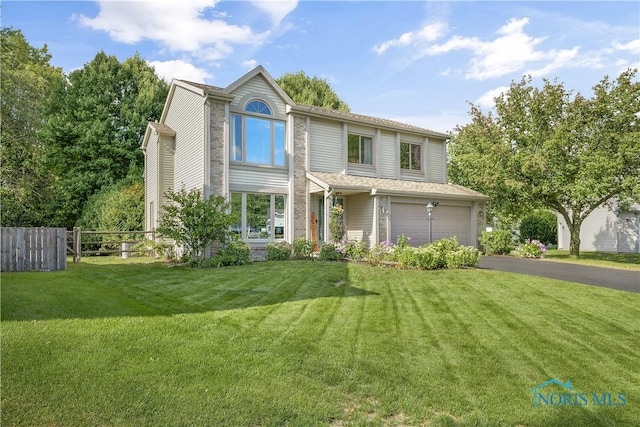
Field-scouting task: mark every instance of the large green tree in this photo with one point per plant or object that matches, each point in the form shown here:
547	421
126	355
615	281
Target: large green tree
95	123
546	147
26	81
311	91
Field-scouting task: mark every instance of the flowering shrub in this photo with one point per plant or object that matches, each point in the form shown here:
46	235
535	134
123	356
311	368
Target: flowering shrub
531	249
382	252
465	256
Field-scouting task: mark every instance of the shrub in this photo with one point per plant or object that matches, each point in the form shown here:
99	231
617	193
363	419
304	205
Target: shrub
427	257
195	222
336	223
531	249
382	252
541	226
330	252
464	256
302	248
498	242
234	253
356	251
278	251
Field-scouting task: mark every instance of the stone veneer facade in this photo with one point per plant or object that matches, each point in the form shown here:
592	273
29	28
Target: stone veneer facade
216	147
299	176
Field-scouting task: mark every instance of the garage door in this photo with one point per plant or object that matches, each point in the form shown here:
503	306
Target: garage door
448	221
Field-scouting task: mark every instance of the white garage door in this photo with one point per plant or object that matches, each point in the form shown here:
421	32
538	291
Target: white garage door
448	221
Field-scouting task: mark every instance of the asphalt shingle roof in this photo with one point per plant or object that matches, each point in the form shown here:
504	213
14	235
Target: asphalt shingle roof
395	186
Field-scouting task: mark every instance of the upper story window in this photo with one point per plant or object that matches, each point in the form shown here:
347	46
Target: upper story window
410	156
255	139
360	149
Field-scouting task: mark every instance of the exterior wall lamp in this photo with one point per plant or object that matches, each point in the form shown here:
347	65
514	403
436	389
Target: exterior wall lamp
430	207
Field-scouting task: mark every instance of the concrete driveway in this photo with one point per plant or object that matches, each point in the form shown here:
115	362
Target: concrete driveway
623	280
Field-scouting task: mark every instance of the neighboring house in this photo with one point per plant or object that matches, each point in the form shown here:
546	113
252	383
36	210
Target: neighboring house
606	230
286	164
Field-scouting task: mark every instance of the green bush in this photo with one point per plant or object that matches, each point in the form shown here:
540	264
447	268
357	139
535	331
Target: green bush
428	257
329	252
278	251
541	226
356	251
464	256
498	242
302	248
234	253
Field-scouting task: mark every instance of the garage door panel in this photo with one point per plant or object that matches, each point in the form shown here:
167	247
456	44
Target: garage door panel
448	221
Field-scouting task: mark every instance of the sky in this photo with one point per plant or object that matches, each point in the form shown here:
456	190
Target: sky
420	63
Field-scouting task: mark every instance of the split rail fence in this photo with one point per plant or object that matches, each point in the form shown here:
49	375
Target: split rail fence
125	243
33	249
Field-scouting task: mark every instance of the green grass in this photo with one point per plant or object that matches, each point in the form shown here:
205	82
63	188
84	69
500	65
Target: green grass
309	343
625	261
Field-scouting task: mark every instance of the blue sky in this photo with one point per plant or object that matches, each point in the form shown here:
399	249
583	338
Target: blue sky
416	62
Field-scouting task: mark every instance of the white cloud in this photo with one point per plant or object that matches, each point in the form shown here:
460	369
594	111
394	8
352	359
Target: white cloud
250	64
633	46
179	69
276	9
559	59
486	100
179	28
428	33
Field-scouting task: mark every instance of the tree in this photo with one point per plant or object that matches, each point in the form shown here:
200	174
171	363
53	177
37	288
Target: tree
25	83
311	91
546	148
119	207
195	222
96	120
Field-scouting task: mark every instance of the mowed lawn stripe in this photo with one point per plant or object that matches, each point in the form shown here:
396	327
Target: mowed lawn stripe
310	343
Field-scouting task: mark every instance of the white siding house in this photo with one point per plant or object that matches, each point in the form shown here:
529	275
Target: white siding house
606	229
284	165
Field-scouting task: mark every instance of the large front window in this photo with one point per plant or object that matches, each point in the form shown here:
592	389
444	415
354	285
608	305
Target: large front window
262	216
257	140
360	149
410	156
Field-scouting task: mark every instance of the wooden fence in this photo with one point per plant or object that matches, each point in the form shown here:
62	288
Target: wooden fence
33	249
81	243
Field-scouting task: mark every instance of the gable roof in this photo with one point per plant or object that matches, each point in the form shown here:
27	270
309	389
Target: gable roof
159	128
226	93
385	186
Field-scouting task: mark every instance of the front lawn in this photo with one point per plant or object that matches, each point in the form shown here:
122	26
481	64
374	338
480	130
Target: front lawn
625	261
311	343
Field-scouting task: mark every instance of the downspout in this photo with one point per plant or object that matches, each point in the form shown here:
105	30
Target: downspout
207	149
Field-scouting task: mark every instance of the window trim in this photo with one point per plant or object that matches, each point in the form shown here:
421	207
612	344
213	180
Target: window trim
421	164
273	149
361	152
271	217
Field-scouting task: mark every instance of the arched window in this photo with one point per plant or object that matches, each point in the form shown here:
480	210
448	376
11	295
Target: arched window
256	106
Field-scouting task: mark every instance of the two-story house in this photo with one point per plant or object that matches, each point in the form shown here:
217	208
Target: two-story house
283	165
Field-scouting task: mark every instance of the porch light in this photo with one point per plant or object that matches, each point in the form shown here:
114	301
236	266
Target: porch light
430	207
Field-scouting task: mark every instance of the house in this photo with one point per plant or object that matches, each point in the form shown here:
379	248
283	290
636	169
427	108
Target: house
286	164
606	229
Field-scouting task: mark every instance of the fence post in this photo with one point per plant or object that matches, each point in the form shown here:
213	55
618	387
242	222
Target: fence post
77	244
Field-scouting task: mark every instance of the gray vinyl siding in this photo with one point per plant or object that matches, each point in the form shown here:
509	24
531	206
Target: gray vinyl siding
259	88
325	146
359	216
388	155
186	118
151	180
166	165
435	161
604	231
262	180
